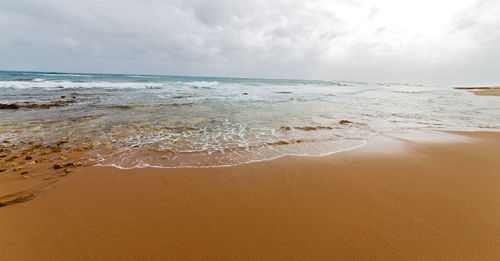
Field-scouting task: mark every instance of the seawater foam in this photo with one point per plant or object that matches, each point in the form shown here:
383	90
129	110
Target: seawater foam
147	165
50	84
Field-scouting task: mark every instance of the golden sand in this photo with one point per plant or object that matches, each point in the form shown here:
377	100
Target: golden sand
394	199
488	91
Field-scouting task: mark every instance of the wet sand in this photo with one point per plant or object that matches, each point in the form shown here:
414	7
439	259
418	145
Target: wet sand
487	91
432	197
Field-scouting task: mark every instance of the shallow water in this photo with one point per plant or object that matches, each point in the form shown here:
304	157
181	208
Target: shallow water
172	121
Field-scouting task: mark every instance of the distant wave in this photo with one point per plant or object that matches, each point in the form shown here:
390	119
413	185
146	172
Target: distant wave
29	80
40	83
26	83
64	75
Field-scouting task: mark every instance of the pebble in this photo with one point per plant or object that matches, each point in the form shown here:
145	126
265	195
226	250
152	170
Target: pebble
59	166
345	122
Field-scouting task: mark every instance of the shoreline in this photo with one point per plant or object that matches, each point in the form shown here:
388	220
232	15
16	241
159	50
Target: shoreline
427	196
48	176
482	91
53	166
354	148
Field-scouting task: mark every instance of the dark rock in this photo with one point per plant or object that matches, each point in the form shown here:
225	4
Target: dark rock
245	93
24	173
12	106
345	122
63	97
28	158
306	128
2	170
57	166
60	166
123	107
37	106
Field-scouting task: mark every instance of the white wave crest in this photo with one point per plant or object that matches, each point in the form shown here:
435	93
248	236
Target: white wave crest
40	83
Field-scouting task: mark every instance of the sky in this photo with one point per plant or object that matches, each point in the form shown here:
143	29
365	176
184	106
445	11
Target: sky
425	41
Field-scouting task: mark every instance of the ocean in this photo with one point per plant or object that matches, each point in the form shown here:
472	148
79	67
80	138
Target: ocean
177	121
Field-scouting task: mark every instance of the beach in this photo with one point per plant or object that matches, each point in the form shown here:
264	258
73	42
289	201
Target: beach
249	130
425	196
486	91
140	167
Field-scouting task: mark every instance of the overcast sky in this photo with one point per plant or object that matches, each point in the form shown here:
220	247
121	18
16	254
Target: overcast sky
425	41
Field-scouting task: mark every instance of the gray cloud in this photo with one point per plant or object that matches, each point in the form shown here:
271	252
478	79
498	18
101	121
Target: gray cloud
336	40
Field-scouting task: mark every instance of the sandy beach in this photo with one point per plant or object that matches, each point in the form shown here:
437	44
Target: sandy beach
433	196
249	130
487	91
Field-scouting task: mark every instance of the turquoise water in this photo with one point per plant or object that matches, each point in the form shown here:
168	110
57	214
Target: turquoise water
174	121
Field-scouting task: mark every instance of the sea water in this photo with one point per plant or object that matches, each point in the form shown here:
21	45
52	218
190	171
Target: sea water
178	121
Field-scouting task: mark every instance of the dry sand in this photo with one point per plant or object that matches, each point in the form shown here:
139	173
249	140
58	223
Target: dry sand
394	199
488	91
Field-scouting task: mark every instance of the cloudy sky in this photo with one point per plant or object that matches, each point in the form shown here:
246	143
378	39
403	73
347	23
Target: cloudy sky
425	41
